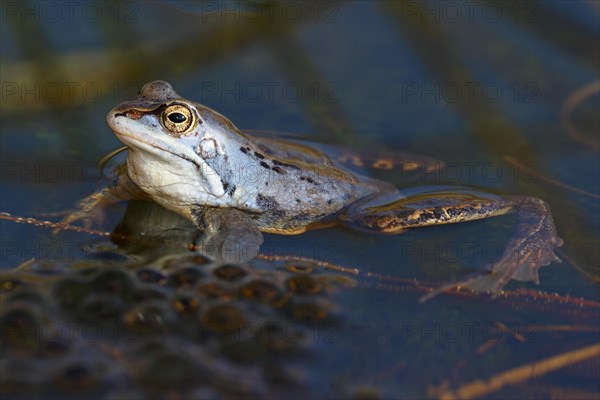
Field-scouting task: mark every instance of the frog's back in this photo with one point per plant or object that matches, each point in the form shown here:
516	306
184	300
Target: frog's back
307	186
304	157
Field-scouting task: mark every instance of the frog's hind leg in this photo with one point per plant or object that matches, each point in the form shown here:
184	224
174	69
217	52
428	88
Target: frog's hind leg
394	212
531	246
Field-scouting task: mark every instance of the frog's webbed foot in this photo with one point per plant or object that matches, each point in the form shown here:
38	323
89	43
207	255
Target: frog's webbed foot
229	235
531	247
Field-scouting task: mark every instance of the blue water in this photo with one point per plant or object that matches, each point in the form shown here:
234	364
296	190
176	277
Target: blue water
375	75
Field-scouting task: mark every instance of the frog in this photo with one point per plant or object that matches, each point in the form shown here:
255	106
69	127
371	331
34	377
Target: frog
234	187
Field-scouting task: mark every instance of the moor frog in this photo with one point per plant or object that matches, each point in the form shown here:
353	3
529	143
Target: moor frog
194	161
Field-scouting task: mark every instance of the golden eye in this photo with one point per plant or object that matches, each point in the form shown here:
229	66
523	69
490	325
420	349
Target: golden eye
179	119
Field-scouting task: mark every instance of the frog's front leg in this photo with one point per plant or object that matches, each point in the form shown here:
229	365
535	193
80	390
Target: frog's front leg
531	246
91	209
228	235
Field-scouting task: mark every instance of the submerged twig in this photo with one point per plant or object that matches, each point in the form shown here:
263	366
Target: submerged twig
51	225
571	102
549	180
572	263
521	374
323	264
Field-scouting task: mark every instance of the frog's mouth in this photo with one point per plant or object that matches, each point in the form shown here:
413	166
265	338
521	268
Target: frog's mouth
128	126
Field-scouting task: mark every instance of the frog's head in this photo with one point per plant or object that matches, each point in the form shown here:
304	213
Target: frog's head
174	137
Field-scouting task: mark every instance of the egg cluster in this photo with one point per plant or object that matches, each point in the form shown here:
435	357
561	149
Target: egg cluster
187	328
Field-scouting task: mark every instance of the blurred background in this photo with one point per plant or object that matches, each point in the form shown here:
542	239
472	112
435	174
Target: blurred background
506	93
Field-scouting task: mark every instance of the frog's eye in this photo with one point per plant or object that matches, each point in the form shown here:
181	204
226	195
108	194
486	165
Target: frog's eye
178	119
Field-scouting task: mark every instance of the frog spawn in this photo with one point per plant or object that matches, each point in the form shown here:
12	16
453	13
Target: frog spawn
186	326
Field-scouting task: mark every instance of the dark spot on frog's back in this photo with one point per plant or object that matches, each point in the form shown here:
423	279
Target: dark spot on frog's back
267	203
227	188
309	180
245	149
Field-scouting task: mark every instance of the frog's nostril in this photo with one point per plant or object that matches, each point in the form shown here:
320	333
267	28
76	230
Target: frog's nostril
134	114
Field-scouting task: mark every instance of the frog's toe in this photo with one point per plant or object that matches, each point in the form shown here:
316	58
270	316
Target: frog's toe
543	256
87	218
476	283
64	222
490	282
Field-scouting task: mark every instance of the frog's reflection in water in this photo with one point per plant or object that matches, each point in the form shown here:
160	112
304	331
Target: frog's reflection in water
148	232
